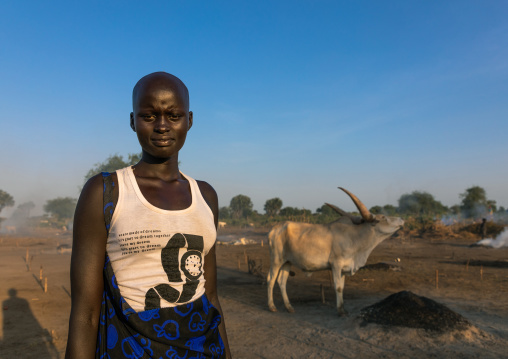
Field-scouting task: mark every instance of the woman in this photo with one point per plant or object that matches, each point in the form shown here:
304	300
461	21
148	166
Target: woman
144	246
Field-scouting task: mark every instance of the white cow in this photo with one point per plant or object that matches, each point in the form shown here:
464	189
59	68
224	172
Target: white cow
342	246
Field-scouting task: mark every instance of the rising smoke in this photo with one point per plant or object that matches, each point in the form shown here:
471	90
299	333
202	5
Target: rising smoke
500	241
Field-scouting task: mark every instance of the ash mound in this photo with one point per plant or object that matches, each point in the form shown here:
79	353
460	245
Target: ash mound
406	309
382	266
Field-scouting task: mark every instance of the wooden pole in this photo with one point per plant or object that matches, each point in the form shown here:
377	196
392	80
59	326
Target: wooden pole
40	274
262	242
322	294
331	278
26	258
437	279
46	285
481	272
467	266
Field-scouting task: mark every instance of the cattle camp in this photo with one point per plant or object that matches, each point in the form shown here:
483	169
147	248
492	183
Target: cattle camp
334	283
254	179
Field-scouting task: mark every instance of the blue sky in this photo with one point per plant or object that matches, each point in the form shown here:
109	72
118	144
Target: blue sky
290	98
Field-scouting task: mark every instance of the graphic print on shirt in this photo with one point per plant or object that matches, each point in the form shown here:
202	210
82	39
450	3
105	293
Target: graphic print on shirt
190	264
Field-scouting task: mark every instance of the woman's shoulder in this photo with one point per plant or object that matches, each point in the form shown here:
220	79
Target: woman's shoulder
206	189
93	189
209	194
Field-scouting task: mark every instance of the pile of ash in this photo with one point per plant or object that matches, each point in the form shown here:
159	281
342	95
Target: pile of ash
382	266
407	309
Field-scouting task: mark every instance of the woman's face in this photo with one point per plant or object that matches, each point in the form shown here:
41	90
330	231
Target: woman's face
161	117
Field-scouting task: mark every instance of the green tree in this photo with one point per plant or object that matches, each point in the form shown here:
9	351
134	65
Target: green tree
474	202
293	211
6	200
273	206
224	212
241	206
387	210
61	207
23	210
390	210
420	204
113	163
326	211
455	209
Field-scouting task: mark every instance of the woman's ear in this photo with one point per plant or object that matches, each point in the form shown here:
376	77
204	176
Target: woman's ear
132	122
191	119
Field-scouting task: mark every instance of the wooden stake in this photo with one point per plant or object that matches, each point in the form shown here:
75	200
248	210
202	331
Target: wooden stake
40	274
437	279
467	266
46	285
262	241
331	278
26	258
481	272
322	294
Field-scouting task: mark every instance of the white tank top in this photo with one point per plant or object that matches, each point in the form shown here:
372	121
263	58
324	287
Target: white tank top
158	255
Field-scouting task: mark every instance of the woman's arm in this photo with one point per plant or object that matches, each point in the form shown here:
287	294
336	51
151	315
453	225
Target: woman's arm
87	263
211	293
210	267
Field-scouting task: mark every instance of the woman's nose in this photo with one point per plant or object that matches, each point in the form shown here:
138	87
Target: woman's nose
162	124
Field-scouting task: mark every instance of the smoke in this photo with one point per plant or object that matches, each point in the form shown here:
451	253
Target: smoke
500	241
449	220
496	217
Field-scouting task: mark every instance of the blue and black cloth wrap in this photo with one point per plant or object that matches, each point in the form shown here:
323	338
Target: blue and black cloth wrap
188	331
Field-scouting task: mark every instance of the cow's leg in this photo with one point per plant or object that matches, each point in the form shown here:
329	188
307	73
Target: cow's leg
338	281
282	280
270	280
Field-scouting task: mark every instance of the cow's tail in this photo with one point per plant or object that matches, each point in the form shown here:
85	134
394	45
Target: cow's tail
277	231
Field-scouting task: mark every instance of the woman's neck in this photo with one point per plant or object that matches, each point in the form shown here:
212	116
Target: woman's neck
165	169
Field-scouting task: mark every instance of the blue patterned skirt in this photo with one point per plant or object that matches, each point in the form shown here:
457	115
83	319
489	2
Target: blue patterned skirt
186	331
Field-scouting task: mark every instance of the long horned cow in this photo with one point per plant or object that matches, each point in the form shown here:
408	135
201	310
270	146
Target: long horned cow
342	246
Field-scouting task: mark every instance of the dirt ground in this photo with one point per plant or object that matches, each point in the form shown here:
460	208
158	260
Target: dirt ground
472	281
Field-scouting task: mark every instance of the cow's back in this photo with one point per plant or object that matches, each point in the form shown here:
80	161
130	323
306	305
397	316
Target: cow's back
305	245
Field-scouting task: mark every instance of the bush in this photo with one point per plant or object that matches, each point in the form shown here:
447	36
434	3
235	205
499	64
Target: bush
493	229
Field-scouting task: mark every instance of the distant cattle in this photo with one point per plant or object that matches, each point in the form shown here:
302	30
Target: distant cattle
222	224
342	246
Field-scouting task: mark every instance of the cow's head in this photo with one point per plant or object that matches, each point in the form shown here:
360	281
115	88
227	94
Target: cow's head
384	224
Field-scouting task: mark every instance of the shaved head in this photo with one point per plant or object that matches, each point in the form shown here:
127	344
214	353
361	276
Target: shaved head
158	80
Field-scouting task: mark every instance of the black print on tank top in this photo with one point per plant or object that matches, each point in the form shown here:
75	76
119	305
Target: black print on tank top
191	265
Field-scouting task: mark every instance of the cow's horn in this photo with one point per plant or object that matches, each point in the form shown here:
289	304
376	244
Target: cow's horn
338	210
354	219
367	216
